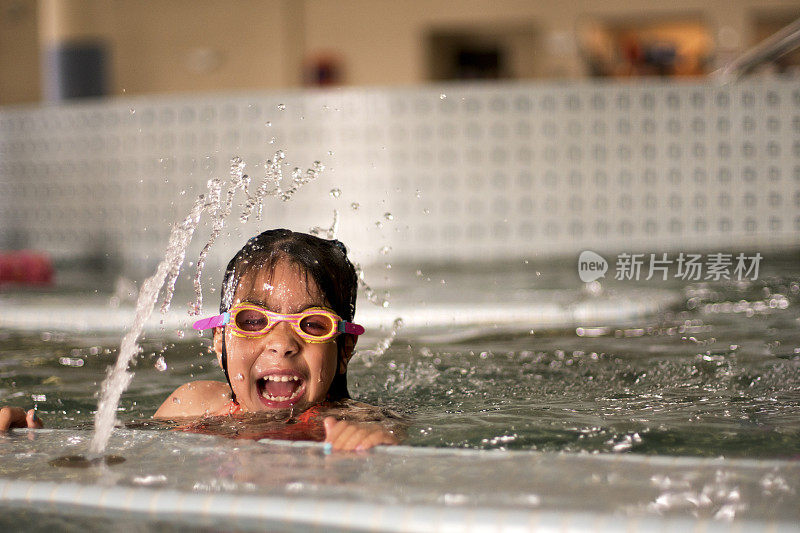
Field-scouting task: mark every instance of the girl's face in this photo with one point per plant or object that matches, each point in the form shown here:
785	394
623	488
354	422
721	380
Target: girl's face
280	370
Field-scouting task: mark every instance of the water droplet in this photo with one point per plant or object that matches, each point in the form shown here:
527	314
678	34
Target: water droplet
426	211
388	216
268	124
180	333
281	107
239	377
419	273
418	193
133	111
161	364
386	249
280	154
175	399
388	266
442	96
354	206
272	140
379	224
330	152
336	193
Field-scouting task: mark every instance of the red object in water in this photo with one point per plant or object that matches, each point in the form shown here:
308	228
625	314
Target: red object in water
26	267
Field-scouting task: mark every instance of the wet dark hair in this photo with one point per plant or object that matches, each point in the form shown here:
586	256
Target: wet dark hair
324	260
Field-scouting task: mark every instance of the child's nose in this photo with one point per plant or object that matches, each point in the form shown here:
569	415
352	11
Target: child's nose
281	340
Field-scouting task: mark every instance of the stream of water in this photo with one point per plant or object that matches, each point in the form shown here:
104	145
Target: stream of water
217	203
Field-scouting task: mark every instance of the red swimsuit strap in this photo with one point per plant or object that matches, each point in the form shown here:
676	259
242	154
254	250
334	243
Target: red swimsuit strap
233	407
306	416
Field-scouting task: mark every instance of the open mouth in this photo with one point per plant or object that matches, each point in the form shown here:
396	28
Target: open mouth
279	390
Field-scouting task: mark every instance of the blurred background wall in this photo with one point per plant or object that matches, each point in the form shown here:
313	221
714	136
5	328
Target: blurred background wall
57	49
539	159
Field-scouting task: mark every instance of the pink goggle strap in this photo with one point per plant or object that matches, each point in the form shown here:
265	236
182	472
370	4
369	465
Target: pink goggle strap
353	329
212	322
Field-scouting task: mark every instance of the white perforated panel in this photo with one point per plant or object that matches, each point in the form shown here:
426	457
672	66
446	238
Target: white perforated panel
452	172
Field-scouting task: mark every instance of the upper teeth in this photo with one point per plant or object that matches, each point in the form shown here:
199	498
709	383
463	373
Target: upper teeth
280	378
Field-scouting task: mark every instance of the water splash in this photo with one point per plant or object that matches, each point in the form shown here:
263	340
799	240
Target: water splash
119	377
218	213
719	499
329	233
368	291
161	364
369	356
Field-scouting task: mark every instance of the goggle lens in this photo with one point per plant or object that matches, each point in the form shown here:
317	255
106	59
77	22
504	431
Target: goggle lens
251	320
317	325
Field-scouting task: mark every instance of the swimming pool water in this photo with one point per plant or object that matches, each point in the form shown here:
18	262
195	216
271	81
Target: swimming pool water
684	418
717	374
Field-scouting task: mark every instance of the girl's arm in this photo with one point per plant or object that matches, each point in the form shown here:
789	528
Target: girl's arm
14	417
357	426
198	398
357	436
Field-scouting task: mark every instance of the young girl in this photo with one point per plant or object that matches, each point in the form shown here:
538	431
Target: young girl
284	337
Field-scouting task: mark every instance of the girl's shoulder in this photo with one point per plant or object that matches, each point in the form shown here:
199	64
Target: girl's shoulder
197	398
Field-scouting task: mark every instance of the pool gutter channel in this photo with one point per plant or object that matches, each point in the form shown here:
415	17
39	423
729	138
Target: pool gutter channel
393	497
251	511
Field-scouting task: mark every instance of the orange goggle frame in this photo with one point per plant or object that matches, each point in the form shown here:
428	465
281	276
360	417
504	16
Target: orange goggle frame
315	324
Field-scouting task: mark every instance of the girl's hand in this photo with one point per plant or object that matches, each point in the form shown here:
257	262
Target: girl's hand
355	436
14	417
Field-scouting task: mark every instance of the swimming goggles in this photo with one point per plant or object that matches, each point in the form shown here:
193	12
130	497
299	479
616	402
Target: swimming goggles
315	324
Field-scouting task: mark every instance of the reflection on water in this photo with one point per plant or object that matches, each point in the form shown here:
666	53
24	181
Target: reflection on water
717	376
